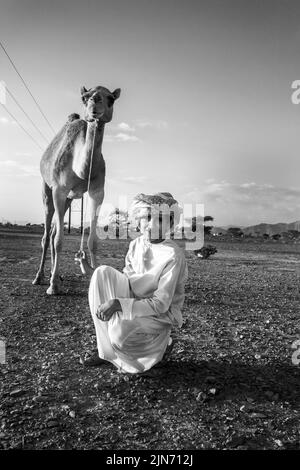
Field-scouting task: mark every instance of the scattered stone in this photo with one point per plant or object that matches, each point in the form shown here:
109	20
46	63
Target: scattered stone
41	398
211	379
202	397
257	415
250	400
52	424
17	393
236	441
18	445
278	442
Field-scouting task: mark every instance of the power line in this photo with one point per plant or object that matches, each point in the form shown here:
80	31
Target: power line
29	135
22	109
27	88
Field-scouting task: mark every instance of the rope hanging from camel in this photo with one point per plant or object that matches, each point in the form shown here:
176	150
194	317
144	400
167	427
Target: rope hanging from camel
88	187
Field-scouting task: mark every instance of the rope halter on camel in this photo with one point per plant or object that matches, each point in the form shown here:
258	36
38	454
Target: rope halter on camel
88	186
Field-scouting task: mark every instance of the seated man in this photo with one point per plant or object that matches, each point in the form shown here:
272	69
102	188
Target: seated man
134	311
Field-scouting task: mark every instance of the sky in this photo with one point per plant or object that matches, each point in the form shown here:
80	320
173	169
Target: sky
205	110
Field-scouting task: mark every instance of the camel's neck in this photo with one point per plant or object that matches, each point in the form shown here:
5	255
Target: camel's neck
87	158
93	139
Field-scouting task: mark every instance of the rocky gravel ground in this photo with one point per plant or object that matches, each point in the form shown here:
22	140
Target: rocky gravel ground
230	382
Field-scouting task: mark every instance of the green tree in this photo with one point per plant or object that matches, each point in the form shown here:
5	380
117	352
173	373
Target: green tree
206	218
120	219
294	234
277	236
235	232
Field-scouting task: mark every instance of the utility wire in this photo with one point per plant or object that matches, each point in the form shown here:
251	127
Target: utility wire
27	88
29	135
22	109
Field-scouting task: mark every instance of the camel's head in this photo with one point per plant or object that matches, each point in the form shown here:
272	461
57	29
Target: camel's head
99	103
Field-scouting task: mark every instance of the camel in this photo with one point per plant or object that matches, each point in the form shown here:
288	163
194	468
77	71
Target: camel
65	167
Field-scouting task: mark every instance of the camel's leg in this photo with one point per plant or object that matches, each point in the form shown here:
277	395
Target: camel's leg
59	200
49	211
96	199
52	235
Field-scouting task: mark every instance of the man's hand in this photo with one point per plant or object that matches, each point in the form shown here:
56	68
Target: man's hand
105	311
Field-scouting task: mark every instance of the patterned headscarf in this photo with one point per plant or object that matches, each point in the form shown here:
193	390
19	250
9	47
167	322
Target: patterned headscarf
163	203
157	203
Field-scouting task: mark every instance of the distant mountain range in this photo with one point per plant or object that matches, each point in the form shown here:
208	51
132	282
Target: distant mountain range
270	229
260	229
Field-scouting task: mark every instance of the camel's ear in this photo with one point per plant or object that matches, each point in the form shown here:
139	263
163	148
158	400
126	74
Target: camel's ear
116	93
83	91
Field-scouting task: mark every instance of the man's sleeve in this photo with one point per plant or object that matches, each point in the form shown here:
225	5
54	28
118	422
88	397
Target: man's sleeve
128	269
162	297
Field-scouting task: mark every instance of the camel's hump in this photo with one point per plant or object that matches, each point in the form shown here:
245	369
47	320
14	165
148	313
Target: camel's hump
73	117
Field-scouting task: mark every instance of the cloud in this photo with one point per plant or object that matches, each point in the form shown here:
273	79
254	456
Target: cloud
135	179
13	168
23	154
248	185
247	203
121	137
125	127
128	179
127	130
159	124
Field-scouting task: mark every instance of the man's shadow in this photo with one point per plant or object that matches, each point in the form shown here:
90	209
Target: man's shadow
277	381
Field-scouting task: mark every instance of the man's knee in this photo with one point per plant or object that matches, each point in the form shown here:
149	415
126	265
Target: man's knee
102	272
102	269
118	333
116	336
99	277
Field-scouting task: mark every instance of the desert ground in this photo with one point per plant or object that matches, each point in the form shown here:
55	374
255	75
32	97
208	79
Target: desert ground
229	383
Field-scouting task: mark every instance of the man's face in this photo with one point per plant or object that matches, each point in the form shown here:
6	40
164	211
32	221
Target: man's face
155	226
